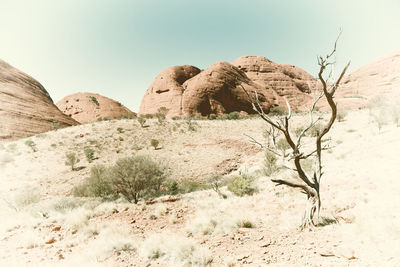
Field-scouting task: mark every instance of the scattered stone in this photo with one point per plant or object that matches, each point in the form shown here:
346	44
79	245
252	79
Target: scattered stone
56	229
50	241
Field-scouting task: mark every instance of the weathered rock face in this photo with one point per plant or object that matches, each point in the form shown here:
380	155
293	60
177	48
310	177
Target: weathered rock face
166	90
184	89
378	78
89	107
25	106
290	82
218	89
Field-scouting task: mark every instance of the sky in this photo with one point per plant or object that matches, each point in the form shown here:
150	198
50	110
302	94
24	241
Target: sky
117	47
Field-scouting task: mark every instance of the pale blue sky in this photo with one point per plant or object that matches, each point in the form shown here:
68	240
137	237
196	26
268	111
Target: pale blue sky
117	47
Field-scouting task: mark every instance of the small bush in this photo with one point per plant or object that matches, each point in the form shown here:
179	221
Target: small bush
176	118
154	143
216	182
277	111
242	185
224	117
141	121
188	186
94	100
72	160
136	177
120	130
234	115
171	187
270	163
98	184
212	116
31	144
89	153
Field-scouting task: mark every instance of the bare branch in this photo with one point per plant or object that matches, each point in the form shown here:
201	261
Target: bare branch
291	184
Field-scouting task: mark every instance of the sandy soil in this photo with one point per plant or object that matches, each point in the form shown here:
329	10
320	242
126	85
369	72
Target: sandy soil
43	225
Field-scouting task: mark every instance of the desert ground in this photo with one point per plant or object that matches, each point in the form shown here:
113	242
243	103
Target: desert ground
43	224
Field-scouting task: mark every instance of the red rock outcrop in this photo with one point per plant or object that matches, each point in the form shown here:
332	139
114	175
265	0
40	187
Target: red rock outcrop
89	107
25	106
289	81
218	89
166	90
378	78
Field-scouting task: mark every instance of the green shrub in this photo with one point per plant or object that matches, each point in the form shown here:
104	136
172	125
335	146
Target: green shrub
216	182
277	111
89	153
120	130
176	118
212	116
242	185
270	163
141	120
94	100
224	117
31	144
154	143
97	185
234	115
171	187
149	116
136	177
189	185
72	160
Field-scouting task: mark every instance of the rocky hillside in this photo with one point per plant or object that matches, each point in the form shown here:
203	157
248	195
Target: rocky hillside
218	89
379	78
26	108
90	107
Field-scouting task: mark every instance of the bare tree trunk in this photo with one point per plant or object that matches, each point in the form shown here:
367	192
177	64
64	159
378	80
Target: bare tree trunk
311	213
308	185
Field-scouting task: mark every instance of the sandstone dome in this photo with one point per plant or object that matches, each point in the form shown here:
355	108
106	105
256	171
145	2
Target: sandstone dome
378	78
25	106
288	81
167	89
218	89
90	107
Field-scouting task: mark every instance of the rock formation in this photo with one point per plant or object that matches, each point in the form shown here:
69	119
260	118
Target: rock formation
25	106
89	107
218	89
166	90
290	82
378	78
184	89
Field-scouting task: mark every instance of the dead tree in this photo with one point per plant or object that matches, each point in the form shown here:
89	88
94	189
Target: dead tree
309	184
